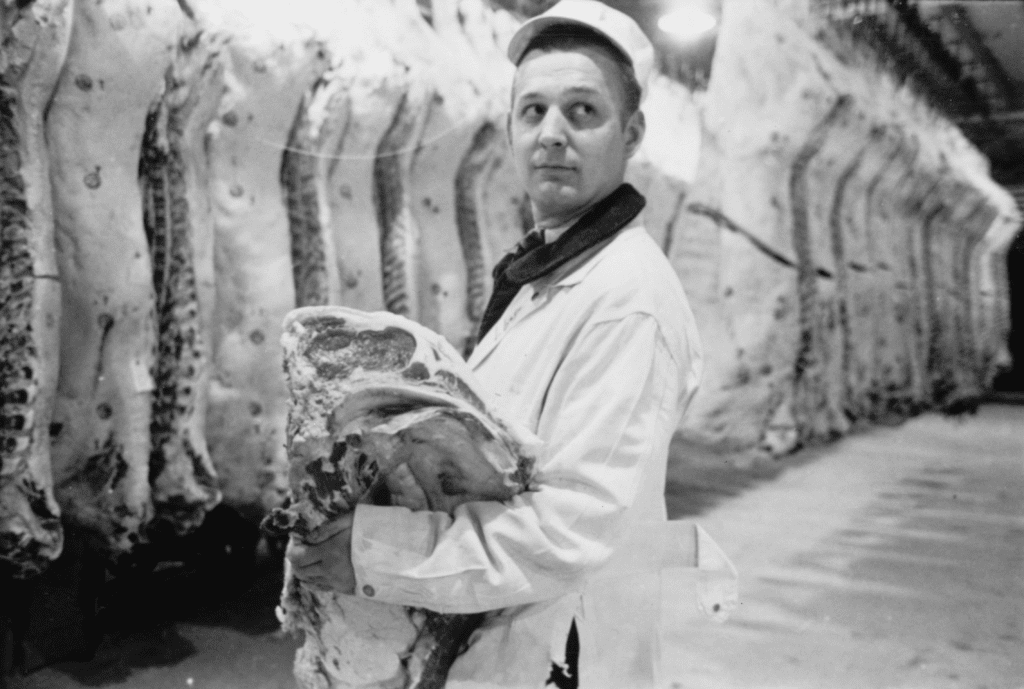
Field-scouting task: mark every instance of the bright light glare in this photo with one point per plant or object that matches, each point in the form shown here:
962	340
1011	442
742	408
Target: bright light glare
687	23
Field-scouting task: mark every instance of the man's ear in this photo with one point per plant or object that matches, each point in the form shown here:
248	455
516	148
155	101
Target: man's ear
636	126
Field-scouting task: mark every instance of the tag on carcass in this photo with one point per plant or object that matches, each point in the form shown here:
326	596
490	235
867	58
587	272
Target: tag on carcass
142	379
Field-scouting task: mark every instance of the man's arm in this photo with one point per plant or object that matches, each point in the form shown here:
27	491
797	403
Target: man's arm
613	395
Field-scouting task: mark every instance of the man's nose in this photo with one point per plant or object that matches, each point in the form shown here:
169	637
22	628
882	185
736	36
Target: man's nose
552	129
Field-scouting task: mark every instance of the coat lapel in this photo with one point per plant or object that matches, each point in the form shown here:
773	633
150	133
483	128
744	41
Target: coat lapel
568	275
525	303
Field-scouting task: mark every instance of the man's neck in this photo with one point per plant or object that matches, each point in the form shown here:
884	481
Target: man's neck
551	222
543	221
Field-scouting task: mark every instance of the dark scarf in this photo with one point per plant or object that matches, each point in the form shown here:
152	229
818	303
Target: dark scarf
533	259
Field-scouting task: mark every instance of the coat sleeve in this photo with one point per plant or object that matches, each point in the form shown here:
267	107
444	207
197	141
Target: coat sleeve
613	394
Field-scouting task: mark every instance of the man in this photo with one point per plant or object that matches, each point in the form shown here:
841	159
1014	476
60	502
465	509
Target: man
588	341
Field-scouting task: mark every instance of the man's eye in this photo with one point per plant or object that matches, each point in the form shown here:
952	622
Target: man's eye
582	111
533	111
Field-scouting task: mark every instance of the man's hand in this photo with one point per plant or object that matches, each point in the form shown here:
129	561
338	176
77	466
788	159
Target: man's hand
323	560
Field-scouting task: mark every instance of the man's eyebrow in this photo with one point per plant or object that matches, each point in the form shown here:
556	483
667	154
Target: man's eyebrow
583	89
586	90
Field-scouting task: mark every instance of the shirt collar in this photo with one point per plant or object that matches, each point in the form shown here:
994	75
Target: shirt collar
552	234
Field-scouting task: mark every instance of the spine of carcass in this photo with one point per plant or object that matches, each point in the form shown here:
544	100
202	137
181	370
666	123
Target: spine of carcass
33	51
399	234
94	131
468	222
320	123
182	477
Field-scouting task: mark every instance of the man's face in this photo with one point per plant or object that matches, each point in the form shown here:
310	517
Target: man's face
565	128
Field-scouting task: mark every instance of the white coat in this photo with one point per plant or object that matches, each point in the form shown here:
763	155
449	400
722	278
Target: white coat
600	360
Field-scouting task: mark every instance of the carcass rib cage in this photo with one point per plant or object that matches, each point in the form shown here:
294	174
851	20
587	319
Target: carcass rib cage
34	44
180	471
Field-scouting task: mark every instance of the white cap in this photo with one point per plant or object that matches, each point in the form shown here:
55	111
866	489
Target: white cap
620	29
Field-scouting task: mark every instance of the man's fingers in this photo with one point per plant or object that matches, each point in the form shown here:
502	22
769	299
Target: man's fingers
405	491
325	566
301	555
321	576
317	583
307	572
330	529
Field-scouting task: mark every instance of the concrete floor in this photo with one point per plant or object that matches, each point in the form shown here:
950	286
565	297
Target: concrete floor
893	559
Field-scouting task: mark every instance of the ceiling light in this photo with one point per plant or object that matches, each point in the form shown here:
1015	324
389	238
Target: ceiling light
687	23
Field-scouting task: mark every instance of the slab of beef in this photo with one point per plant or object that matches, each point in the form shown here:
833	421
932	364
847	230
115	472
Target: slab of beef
383	411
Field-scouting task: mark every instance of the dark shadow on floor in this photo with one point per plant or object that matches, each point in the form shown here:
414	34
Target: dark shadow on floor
699	478
98	622
120	653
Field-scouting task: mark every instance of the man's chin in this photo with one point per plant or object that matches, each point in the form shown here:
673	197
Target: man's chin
561	201
556	196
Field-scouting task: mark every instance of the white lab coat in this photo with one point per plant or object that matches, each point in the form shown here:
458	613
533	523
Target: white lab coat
599	360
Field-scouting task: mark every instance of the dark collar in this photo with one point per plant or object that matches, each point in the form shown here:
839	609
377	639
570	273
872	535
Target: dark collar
607	217
534	260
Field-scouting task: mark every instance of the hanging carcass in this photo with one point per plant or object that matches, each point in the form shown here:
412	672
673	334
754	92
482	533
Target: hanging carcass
34	44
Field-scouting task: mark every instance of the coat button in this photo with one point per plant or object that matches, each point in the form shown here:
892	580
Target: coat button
368	591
